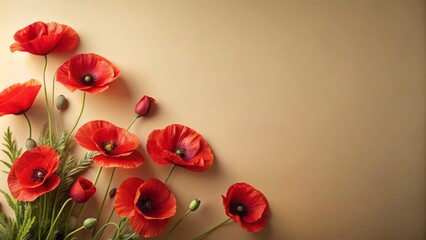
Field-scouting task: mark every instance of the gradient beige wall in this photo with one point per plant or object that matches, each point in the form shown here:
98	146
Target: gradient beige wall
318	104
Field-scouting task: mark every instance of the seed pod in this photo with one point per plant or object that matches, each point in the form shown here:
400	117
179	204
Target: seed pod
30	144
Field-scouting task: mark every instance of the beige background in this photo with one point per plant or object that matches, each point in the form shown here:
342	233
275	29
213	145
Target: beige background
318	104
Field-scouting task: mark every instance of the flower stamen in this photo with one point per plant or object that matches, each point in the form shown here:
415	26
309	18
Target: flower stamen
145	205
39	174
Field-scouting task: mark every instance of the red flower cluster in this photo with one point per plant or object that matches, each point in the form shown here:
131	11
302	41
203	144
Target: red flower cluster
42	38
148	204
117	147
180	145
87	72
33	174
18	98
247	206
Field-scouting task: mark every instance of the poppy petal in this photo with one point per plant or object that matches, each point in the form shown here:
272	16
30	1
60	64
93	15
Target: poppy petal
147	228
135	159
125	196
83	136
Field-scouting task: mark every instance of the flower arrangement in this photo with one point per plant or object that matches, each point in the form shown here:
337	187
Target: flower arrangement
46	181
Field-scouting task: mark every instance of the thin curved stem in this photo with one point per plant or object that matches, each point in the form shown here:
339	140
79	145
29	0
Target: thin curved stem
49	117
78	119
102	229
79	214
133	121
97	175
177	223
67	220
29	123
73	232
103	201
57	217
170	173
109	218
203	235
53	91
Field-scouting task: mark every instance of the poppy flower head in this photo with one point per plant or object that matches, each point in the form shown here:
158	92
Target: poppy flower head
116	146
148	204
33	174
247	206
19	98
144	105
42	38
87	72
82	190
180	145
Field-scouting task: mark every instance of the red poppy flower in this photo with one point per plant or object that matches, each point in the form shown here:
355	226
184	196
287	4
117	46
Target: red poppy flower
18	98
33	174
246	206
148	204
144	105
180	145
117	147
87	72
42	38
82	190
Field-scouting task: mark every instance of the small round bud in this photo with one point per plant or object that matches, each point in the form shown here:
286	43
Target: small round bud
195	204
89	223
30	144
112	193
61	102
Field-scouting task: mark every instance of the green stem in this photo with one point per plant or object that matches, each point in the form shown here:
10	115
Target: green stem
78	119
68	218
170	173
109	218
79	214
103	201
73	232
57	217
133	121
203	235
102	229
40	217
97	175
29	123
49	117
177	223
53	91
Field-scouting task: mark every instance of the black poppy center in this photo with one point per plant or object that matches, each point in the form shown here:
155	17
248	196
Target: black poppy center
145	205
39	174
180	151
109	147
88	79
238	209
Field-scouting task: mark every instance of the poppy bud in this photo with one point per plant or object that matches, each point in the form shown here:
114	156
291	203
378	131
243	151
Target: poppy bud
61	102
82	190
30	144
195	204
89	223
112	193
144	105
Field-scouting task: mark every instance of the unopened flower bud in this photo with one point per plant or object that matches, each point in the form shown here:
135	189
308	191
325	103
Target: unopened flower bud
144	105
112	193
89	223
61	102
30	144
193	206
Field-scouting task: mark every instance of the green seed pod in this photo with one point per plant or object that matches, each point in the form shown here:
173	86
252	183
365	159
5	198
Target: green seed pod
89	223
61	102
193	206
30	144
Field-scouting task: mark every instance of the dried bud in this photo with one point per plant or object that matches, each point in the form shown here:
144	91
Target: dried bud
30	144
112	193
195	204
89	223
144	105
61	102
